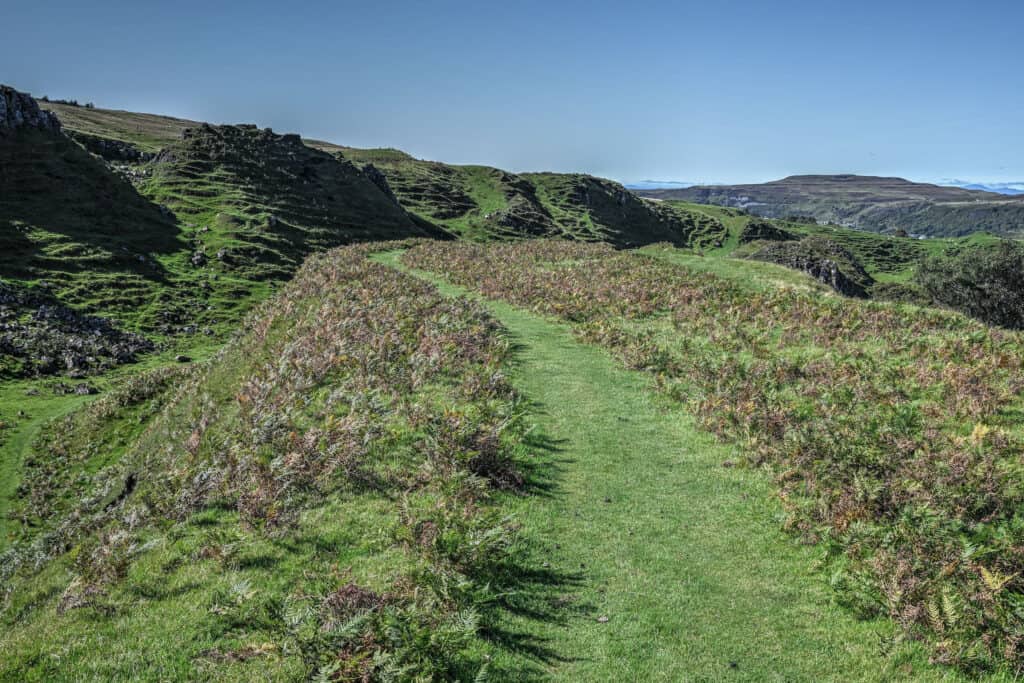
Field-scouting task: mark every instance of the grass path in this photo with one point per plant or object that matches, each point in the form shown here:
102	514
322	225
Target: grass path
683	555
14	441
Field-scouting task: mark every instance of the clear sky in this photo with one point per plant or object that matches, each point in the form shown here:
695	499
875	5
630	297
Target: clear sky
697	91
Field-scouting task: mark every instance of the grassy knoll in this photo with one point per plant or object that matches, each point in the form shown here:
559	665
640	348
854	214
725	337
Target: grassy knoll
324	497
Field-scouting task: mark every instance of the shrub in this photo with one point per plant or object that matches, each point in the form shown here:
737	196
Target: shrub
985	282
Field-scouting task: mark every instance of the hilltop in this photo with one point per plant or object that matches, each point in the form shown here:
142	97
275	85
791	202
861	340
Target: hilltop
135	224
867	203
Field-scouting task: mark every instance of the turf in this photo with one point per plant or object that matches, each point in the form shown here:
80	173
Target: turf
682	555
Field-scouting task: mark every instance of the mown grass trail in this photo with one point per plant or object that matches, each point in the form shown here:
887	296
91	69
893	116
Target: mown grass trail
681	554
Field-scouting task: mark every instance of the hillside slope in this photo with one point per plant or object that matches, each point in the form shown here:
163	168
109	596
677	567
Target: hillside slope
868	203
323	498
476	202
173	231
255	203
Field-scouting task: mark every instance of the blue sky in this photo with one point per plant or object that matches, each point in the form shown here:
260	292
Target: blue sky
696	91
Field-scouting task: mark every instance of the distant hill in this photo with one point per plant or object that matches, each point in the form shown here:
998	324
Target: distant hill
481	202
868	203
999	188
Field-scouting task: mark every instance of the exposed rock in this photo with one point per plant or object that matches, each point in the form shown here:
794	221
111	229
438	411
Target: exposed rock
109	149
822	259
380	180
19	110
758	229
48	338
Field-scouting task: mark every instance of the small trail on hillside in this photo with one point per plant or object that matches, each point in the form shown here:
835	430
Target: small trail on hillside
684	572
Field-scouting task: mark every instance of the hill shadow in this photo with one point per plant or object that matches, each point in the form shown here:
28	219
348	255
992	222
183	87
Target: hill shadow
96	219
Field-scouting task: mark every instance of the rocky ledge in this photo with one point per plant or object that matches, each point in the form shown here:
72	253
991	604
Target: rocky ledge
19	110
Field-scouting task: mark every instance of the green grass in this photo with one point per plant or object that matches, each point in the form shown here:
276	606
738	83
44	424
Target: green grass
38	410
683	555
759	275
148	132
885	257
42	405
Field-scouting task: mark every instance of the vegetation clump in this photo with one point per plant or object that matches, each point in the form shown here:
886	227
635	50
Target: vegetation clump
985	282
890	430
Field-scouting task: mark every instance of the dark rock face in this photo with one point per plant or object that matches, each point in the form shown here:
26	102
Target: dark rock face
380	180
18	111
822	259
49	339
758	229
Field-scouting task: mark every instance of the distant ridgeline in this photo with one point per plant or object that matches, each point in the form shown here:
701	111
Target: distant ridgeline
868	203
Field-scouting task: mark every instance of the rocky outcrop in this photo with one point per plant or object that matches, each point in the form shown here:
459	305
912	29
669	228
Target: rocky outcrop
380	180
110	149
758	229
822	259
46	338
19	110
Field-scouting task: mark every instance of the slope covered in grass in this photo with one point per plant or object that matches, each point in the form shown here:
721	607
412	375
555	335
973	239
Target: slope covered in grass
476	202
680	571
323	498
175	246
892	431
254	203
480	202
148	132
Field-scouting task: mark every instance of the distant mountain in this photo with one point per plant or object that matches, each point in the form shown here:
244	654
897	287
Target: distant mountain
658	185
1000	188
867	203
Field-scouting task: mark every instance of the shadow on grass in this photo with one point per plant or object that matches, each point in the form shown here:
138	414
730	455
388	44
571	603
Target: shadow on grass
531	592
542	473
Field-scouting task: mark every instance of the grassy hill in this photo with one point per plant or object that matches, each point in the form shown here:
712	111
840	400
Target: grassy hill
311	502
475	202
95	222
868	203
480	202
